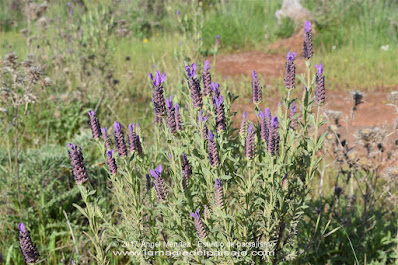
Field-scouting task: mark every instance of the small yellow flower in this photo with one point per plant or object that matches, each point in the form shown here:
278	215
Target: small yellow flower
145	40
157	34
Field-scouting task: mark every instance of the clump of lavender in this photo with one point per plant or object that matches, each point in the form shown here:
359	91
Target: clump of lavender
219	194
158	97
194	86
199	225
95	126
250	144
273	138
206	77
105	137
292	112
212	149
257	89
119	140
243	124
28	249
77	163
111	162
159	183
290	70
178	118
307	43
320	85
171	118
132	138
202	119
186	171
219	113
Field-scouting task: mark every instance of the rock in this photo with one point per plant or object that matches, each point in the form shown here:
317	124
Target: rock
293	10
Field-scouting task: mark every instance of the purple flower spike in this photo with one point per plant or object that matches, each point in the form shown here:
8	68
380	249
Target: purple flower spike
177	12
212	150
292	112
219	113
290	71
186	171
199	225
105	137
77	163
307	26
319	68
243	125
194	86
178	117
320	92
219	194
257	89
171	116
132	138
265	119
119	140
111	162
202	119
159	183
217	41
273	140
215	88
28	249
250	144
158	97
95	126
307	41
206	77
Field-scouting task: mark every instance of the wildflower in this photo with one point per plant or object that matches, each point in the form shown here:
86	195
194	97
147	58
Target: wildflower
219	194
159	183
77	163
105	137
199	225
219	113
28	249
290	70
243	124
139	146
178	118
250	144
206	77
202	119
256	87
186	171
158	97
177	12
292	112
119	140
285	183
171	119
273	138
111	162
194	86
132	138
320	85
212	148
95	126
307	43
265	120
215	88
217	41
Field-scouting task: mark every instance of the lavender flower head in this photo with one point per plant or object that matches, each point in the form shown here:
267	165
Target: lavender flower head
217	41
171	117
290	71
95	126
273	140
158	97
250	144
186	171
307	42
194	86
265	124
215	88
105	137
202	119
28	249
111	162
320	92
119	140
218	103
169	102
77	163
243	124
159	183
212	149
199	225
206	77
219	194
178	117
257	89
